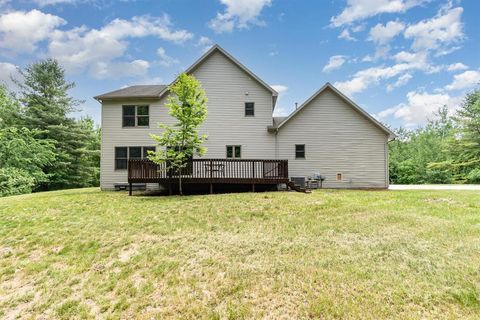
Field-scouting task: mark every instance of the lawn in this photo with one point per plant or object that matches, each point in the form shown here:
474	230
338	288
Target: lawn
330	254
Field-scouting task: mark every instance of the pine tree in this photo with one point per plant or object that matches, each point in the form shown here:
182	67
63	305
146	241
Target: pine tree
44	94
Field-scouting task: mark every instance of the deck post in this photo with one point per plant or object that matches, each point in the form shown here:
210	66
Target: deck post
211	188
169	189
130	189
253	187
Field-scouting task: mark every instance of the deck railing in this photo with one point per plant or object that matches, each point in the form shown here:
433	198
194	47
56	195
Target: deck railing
210	171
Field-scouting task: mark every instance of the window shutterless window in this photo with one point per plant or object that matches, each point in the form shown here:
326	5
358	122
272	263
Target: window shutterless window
249	109
121	157
122	154
234	152
135	116
145	151
299	151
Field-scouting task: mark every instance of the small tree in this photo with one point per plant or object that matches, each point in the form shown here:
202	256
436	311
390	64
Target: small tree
180	142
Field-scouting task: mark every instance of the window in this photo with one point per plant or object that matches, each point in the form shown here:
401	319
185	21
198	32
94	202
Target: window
121	158
135	116
339	176
234	152
122	154
299	151
249	109
135	153
145	151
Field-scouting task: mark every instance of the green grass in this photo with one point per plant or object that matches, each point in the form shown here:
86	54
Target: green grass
330	254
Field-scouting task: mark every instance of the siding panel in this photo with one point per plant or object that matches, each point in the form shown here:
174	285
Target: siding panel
226	86
337	138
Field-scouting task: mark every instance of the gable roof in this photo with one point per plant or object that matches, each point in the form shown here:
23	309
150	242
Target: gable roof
217	48
158	91
344	98
139	91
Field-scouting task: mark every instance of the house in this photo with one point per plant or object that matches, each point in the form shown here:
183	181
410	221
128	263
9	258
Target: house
328	134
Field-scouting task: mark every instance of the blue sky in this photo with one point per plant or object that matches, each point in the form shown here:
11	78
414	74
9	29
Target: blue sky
399	59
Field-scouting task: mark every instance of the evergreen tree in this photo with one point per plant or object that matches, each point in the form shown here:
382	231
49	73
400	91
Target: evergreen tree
44	94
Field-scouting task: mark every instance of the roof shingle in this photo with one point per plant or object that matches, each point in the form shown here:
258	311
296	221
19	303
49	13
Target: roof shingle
139	91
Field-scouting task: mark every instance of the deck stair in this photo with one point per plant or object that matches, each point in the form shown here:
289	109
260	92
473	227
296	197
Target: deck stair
298	188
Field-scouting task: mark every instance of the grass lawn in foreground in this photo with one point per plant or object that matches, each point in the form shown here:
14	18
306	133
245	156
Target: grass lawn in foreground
330	254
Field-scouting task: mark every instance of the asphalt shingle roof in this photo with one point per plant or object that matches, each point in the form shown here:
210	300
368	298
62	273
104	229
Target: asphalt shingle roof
141	91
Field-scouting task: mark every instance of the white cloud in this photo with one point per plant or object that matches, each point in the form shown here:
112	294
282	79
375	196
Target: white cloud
80	48
334	62
465	80
43	3
360	9
205	43
382	34
238	14
104	70
21	31
7	72
165	59
364	79
420	107
401	81
280	88
457	67
345	34
445	29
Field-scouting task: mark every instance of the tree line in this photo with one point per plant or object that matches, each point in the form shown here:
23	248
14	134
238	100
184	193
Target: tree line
42	147
445	150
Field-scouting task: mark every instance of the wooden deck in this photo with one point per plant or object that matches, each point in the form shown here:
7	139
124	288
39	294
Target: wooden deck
211	171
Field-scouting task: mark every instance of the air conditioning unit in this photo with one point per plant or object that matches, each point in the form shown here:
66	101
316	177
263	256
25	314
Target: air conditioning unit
299	181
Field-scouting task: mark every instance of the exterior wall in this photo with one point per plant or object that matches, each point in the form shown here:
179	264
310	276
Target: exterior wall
338	139
226	86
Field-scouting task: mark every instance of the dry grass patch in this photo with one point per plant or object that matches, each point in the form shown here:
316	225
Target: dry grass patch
330	254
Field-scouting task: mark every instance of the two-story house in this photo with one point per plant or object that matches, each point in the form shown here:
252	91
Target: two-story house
328	134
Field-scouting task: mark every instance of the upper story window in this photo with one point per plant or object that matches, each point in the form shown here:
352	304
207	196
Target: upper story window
299	151
135	116
122	154
249	109
234	152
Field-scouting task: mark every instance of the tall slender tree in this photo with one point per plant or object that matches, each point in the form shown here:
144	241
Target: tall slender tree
44	92
187	103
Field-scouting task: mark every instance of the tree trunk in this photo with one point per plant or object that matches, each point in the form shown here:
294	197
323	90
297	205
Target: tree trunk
180	182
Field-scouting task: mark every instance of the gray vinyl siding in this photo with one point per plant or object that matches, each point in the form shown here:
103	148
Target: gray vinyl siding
338	139
226	86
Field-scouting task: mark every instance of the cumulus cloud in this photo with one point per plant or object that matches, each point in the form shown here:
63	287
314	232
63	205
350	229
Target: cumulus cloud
382	34
420	107
401	81
441	31
465	80
205	43
280	88
366	78
334	62
345	34
238	14
43	3
104	70
21	31
357	10
8	72
80	48
165	60
456	66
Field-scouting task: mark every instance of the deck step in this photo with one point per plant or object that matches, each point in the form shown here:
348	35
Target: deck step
297	188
